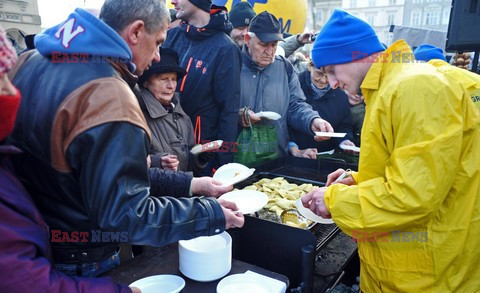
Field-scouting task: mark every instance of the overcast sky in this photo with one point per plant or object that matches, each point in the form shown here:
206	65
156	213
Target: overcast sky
56	11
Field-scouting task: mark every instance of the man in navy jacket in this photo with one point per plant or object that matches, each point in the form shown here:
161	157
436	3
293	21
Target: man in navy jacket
210	92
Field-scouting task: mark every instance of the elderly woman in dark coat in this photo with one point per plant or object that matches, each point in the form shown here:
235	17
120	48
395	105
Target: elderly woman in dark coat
172	130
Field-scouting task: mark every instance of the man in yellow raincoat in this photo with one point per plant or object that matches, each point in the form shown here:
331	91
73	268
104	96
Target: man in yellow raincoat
414	204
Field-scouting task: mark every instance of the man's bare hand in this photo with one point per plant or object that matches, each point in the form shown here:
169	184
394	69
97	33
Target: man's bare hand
242	119
318	124
315	202
336	174
310	153
170	162
305	38
233	218
209	186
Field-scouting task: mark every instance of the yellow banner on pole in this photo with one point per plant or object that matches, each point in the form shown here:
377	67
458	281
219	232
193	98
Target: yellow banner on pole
292	14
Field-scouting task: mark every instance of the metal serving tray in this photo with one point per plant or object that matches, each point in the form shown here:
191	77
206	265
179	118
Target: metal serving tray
270	244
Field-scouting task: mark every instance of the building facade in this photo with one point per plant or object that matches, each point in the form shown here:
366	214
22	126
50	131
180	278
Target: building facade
319	12
19	18
427	14
380	14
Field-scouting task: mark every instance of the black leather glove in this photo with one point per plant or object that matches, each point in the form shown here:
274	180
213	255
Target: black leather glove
206	157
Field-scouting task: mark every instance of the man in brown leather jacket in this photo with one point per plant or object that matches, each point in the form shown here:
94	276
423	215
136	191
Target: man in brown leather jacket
85	140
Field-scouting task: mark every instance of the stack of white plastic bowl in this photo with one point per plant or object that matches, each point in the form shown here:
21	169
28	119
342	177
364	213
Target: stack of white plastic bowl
206	259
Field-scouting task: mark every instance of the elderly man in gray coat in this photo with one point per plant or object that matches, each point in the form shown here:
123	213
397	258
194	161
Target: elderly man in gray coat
269	84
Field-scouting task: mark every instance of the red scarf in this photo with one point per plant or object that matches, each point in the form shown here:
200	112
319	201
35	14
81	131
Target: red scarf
8	111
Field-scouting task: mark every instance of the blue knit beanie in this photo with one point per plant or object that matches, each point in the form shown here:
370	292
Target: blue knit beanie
426	52
344	38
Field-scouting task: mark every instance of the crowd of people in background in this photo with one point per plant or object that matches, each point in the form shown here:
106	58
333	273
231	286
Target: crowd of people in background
106	145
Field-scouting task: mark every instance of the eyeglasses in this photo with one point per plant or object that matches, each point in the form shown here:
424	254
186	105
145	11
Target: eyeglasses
319	73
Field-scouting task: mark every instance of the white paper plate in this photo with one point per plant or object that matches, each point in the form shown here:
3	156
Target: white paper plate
240	283
232	173
205	243
350	148
247	201
209	146
330	152
160	284
330	134
269	115
307	213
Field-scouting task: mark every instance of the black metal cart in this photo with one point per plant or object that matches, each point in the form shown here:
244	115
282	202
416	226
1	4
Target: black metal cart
280	248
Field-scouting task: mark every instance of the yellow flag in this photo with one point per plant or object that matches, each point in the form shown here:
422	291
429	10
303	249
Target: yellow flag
292	14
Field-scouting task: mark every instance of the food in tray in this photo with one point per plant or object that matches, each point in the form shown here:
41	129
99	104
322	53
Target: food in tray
281	194
302	225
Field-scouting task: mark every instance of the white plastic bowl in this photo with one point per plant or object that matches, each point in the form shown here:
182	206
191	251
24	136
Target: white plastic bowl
205	259
160	284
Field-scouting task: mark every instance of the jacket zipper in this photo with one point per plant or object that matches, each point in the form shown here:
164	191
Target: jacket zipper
185	77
